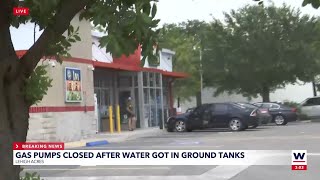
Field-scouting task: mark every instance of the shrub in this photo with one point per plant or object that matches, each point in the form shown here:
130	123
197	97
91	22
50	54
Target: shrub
31	176
293	104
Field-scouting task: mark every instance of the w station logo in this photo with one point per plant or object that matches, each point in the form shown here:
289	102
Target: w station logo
299	160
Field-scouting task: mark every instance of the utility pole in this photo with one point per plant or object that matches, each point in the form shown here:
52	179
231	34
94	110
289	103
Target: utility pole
314	88
201	76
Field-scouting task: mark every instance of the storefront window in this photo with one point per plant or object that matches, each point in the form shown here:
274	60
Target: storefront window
159	106
152	96
152	91
137	107
153	115
158	80
164	82
165	97
145	79
147	114
158	97
125	81
96	82
151	76
135	79
146	95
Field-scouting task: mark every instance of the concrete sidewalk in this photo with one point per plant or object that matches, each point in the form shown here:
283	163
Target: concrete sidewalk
116	137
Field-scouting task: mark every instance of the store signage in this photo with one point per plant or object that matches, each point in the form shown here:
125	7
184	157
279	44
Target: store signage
73	85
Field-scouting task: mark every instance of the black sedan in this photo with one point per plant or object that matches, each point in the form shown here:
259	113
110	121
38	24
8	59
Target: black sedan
263	113
234	116
280	113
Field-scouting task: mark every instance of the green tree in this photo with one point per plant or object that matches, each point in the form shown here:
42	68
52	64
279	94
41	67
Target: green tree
185	39
260	49
129	23
313	3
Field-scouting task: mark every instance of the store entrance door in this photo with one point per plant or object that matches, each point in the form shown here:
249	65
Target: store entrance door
124	94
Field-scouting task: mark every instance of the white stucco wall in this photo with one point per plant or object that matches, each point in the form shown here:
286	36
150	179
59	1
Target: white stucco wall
98	53
165	62
61	126
296	93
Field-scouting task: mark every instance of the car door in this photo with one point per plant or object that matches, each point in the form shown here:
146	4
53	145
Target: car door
196	117
220	115
207	116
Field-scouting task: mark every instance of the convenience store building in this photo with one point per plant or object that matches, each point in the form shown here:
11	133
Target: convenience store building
87	84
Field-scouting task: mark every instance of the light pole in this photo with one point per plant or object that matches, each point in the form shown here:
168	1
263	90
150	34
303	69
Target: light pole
201	76
200	70
198	45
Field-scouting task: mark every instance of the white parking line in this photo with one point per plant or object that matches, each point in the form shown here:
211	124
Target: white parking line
100	168
217	173
223	172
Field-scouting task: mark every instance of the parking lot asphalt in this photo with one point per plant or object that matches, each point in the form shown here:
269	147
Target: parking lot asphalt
296	135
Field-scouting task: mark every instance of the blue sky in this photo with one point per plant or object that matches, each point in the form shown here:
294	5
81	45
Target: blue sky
173	11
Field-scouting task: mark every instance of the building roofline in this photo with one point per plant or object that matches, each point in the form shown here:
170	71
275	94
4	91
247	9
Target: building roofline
168	51
116	66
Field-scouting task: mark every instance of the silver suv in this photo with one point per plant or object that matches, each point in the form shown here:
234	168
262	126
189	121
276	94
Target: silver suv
311	107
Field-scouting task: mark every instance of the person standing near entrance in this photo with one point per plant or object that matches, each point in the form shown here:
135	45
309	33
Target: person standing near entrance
131	115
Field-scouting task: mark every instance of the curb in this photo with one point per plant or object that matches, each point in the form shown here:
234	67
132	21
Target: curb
79	144
74	144
96	143
305	121
103	141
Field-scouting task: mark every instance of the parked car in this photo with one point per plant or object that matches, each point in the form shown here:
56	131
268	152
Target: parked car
190	110
280	113
263	113
311	107
216	115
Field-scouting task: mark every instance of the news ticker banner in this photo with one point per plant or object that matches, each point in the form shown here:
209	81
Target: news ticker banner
55	154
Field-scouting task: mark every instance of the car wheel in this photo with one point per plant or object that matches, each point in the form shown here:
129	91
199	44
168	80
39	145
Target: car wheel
180	126
280	120
235	124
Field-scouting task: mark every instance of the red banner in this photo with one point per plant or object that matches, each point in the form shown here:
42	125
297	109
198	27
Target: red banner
20	11
38	146
299	167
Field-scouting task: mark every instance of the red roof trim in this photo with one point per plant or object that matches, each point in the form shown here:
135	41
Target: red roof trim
166	73
118	66
43	109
